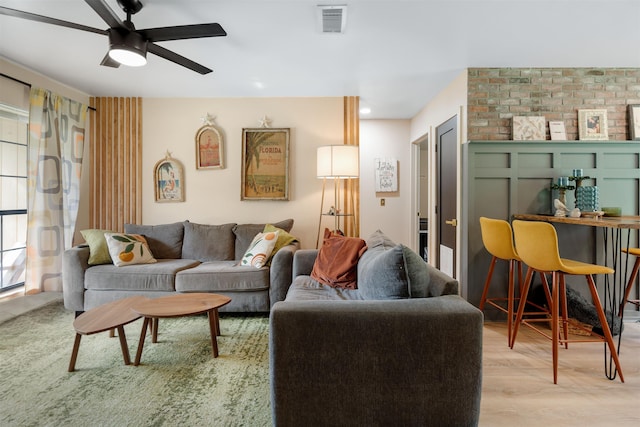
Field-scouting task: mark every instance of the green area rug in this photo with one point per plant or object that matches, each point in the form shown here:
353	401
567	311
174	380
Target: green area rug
178	381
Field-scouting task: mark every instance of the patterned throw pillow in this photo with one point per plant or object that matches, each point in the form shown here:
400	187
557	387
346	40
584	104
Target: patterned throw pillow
260	249
128	249
284	239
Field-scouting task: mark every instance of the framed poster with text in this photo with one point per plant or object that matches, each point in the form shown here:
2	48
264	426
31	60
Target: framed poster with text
265	164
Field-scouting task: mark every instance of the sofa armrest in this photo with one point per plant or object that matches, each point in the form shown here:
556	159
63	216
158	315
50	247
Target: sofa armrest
75	262
303	261
441	283
280	273
393	362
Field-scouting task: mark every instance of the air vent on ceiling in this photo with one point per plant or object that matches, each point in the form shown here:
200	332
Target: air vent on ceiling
332	18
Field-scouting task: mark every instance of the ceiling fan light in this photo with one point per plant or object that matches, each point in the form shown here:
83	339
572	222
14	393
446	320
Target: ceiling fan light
128	57
128	49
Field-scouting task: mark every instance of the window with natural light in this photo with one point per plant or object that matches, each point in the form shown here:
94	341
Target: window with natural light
14	122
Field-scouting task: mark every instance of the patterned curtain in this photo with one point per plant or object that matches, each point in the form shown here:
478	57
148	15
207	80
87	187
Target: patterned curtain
56	145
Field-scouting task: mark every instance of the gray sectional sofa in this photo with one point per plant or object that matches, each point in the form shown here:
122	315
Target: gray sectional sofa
190	258
351	357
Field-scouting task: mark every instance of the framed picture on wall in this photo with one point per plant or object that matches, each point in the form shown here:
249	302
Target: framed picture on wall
634	121
265	164
168	176
209	148
592	125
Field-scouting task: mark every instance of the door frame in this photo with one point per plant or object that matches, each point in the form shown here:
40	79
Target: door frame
414	212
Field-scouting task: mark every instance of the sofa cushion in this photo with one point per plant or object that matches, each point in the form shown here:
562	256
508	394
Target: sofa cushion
128	249
379	240
141	277
260	249
208	242
382	274
220	276
305	288
337	260
165	240
417	273
98	249
246	232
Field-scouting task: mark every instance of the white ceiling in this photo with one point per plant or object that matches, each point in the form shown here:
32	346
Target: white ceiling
395	54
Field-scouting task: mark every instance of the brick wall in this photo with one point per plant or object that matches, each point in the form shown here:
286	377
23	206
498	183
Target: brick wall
495	95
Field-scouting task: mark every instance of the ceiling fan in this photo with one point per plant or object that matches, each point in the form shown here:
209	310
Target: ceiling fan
129	46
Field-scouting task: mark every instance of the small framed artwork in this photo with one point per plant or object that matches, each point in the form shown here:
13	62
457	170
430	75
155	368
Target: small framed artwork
265	164
168	176
528	128
557	130
592	125
209	148
386	173
634	122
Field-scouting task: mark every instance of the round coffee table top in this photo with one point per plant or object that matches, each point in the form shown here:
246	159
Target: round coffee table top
180	305
108	316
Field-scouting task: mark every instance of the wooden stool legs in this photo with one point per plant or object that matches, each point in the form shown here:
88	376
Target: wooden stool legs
627	291
510	295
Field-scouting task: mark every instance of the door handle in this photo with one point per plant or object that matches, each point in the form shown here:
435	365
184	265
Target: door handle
452	222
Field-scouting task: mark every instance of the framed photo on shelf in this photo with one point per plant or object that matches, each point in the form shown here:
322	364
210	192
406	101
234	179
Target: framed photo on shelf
265	164
557	130
528	128
168	174
209	148
634	121
592	125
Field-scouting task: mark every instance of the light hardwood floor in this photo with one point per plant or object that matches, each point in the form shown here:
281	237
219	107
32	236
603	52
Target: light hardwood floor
518	387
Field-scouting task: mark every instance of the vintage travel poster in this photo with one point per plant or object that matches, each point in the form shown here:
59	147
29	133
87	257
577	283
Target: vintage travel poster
209	148
265	164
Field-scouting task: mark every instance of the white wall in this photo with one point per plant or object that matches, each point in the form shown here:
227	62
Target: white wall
213	195
448	103
385	138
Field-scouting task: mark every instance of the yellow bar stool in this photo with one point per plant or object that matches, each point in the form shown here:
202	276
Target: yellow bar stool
537	246
497	237
632	278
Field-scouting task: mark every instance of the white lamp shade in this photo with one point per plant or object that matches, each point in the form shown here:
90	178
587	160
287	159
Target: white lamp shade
338	161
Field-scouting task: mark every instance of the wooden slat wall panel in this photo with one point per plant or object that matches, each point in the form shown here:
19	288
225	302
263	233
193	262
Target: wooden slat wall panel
352	186
116	163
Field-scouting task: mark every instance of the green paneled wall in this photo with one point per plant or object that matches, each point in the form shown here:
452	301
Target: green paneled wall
502	178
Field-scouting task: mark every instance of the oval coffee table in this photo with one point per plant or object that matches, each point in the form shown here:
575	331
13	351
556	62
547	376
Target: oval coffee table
179	305
106	317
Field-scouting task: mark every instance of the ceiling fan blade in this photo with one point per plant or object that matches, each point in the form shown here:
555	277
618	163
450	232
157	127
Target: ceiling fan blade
47	20
107	61
106	13
181	32
178	59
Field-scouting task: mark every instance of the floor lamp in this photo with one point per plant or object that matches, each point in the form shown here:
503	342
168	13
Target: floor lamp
337	163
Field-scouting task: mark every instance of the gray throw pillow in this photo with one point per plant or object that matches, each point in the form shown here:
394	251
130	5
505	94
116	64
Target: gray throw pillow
382	274
417	273
379	239
246	232
165	240
208	242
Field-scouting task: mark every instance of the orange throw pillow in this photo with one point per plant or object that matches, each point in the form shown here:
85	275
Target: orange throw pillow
337	260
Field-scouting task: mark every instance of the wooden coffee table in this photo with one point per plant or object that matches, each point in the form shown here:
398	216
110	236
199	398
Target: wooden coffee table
113	315
179	305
